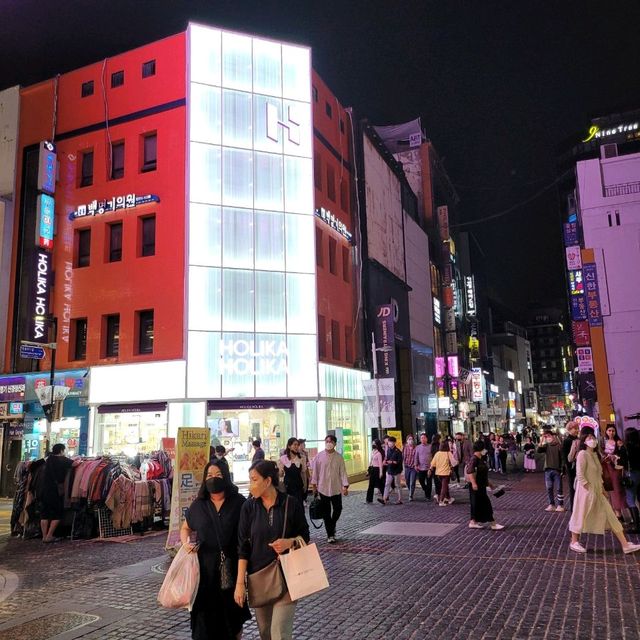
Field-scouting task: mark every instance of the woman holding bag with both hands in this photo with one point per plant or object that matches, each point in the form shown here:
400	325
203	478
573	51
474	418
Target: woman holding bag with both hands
269	523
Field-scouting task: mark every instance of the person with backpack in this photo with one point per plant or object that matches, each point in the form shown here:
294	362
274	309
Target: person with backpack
393	464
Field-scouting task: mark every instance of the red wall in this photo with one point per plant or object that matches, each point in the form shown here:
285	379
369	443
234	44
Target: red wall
336	294
134	283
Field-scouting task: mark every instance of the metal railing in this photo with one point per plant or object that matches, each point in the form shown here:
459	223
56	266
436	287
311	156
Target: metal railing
623	189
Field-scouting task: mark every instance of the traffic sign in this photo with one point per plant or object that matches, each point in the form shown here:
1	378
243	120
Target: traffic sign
31	351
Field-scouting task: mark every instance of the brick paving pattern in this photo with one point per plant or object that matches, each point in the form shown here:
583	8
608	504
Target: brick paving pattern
522	583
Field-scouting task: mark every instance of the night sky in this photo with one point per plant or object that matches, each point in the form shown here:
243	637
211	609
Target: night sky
498	85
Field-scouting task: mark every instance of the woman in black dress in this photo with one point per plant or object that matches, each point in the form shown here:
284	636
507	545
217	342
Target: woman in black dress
477	475
291	470
214	516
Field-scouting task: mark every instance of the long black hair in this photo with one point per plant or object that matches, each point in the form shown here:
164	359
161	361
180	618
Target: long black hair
377	445
203	493
288	451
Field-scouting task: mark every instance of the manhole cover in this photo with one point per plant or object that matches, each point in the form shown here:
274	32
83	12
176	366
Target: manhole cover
419	529
48	626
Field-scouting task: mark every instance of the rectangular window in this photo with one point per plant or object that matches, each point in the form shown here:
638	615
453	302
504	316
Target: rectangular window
333	266
115	242
82	247
348	344
346	266
319	248
331	183
148	68
79	328
87	88
112	336
147	236
344	195
145	331
86	168
149	152
335	340
328	109
117	160
322	336
117	79
317	172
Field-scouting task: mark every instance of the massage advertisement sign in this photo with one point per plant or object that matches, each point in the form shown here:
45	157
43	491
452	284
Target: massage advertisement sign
192	454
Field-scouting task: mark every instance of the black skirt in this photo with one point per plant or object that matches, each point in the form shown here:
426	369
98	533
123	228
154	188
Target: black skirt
481	509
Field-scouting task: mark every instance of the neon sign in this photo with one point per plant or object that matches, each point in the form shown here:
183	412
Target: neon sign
596	132
98	207
326	216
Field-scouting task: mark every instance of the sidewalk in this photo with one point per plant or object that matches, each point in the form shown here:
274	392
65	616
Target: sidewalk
432	578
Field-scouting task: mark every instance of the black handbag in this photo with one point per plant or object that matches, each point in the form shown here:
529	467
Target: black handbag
316	511
227	579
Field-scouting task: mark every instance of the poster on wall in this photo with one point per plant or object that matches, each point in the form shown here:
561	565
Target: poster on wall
192	454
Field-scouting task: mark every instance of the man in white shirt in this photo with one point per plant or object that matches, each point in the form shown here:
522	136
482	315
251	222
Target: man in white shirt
330	480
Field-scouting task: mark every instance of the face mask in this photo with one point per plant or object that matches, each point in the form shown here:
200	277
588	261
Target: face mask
329	446
215	485
591	443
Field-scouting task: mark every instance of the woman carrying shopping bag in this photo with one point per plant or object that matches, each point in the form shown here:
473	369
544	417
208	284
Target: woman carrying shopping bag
269	523
214	516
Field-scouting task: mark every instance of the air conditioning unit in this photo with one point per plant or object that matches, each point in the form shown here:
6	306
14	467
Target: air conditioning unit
609	151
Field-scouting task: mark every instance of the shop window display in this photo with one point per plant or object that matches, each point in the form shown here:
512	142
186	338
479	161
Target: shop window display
131	433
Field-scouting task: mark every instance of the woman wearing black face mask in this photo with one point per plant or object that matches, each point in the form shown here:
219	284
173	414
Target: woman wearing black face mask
212	523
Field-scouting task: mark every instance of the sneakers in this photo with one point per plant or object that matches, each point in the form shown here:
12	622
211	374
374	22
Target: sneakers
497	527
631	548
442	504
410	498
560	508
382	501
550	508
331	540
475	525
578	548
452	500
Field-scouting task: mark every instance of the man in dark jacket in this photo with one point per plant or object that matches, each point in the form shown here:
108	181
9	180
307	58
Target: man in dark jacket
393	465
553	466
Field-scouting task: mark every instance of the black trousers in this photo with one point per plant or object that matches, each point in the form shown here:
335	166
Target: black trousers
331	508
374	483
426	483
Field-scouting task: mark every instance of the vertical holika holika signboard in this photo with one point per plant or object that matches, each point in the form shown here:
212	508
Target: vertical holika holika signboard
192	454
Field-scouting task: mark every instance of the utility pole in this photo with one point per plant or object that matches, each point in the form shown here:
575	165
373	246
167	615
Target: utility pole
49	409
375	377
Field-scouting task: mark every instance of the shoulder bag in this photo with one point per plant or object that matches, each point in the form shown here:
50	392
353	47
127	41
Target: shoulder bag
227	580
267	585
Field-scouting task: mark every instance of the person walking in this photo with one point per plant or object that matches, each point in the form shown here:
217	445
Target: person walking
269	523
423	464
211	524
291	470
435	447
304	456
441	465
632	488
529	456
553	465
612	453
409	464
570	466
375	470
502	454
477	475
258	452
330	480
393	464
592	512
512	448
491	443
464	452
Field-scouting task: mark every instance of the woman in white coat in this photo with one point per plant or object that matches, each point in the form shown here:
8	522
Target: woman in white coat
592	512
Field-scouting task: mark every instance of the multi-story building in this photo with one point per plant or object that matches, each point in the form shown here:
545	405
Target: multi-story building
184	250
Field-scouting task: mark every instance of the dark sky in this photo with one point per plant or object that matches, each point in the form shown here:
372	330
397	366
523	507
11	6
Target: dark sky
497	83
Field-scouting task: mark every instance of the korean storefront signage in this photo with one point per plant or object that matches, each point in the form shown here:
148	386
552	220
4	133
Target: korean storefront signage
337	225
570	234
454	390
47	163
450	319
437	311
192	454
443	222
453	366
584	355
451	342
596	132
44	221
470	290
254	358
440	367
581	333
12	389
476	385
578	307
385	342
594	312
39	303
116	203
574	259
576	284
11	410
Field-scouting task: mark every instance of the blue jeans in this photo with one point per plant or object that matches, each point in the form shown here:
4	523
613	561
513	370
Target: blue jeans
633	492
553	480
410	475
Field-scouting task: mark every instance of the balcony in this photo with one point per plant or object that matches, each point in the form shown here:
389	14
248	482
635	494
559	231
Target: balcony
623	189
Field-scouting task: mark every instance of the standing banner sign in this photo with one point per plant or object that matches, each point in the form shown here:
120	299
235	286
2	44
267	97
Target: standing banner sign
192	454
385	341
592	294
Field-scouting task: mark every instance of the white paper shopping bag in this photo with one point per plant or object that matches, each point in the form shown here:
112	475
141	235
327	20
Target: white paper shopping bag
303	571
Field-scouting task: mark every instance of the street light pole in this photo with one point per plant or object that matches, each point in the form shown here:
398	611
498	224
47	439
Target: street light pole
49	412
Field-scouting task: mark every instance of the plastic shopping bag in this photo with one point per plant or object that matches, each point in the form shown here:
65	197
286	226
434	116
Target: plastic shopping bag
180	586
303	570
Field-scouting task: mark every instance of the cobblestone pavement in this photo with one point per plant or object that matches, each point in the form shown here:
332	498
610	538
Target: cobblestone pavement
518	584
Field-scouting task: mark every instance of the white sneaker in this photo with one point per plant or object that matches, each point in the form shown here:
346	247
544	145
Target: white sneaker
550	508
578	548
497	527
631	548
442	504
560	509
452	500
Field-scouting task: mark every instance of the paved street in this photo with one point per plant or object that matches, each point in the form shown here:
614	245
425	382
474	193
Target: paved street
520	583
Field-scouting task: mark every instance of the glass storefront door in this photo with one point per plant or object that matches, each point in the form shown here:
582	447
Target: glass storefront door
130	433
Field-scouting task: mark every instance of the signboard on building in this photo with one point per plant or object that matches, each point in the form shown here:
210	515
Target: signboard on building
437	311
451	342
574	258
470	290
581	333
44	221
47	165
578	307
40	286
576	284
450	320
12	389
443	222
476	385
584	355
570	234
337	225
440	367
115	203
594	312
453	366
385	342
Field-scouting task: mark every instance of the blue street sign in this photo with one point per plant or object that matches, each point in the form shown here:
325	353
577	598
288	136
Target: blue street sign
31	351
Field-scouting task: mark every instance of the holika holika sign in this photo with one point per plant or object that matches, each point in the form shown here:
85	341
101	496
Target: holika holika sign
98	207
254	357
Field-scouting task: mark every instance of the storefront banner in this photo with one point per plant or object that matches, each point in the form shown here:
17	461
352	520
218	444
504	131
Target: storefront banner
570	234
574	259
578	307
12	388
133	408
370	412
385	342
192	454
169	447
584	356
387	395
581	333
476	385
592	294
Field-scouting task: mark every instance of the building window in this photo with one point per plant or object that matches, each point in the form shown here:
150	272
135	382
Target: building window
346	267
314	93
333	266
322	337
328	110
86	168
149	152
319	248
145	331
317	172
148	68
87	88
335	340
112	336
117	160
344	195
117	79
82	247
348	344
115	242
331	183
147	236
79	328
